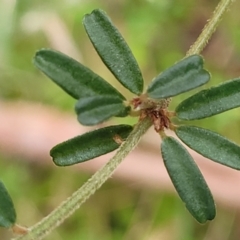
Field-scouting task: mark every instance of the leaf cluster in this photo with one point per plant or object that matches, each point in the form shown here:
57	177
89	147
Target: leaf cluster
97	101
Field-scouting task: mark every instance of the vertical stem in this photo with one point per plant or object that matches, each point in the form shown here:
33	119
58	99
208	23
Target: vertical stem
210	27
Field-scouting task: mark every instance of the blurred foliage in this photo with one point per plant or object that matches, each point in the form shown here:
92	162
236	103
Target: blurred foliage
159	33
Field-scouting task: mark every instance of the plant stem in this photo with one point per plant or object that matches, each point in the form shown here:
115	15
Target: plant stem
209	28
70	205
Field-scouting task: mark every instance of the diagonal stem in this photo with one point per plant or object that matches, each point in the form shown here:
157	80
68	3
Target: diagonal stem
70	205
209	28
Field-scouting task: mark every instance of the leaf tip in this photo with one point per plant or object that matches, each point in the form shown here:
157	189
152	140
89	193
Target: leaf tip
7	211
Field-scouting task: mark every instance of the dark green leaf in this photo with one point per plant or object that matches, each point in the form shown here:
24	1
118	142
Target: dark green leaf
210	102
113	50
89	145
188	180
7	211
181	77
124	113
211	145
94	110
76	79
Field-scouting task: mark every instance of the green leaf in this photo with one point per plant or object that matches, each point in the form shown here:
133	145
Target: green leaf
89	145
74	78
188	180
124	112
7	210
210	102
181	77
94	110
211	145
113	50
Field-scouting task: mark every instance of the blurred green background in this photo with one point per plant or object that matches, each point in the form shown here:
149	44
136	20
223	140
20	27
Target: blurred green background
159	32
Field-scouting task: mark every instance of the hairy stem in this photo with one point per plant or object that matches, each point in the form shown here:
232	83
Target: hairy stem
70	205
209	28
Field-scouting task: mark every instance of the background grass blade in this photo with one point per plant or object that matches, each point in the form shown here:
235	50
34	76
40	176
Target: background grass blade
7	210
181	77
113	50
188	180
74	78
211	145
210	102
89	145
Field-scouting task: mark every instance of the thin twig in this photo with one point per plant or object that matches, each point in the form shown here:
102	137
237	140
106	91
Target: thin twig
70	205
209	28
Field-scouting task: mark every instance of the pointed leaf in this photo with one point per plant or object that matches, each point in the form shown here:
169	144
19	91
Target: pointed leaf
74	78
188	180
181	77
211	145
89	145
210	102
113	50
94	110
7	210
